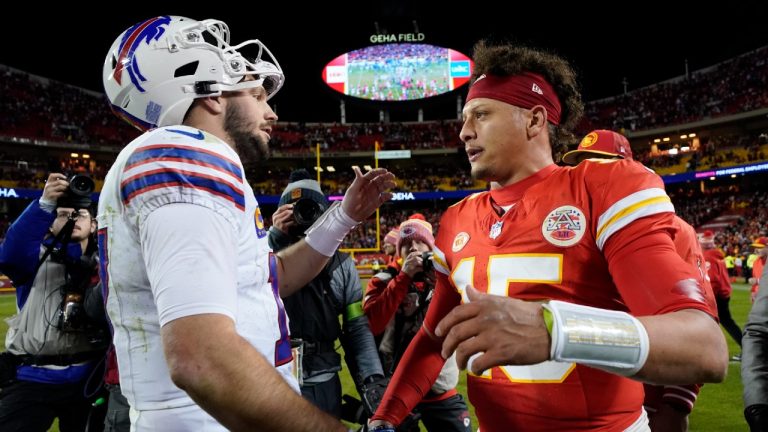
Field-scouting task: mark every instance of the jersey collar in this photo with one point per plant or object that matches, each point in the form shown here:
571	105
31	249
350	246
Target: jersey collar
512	193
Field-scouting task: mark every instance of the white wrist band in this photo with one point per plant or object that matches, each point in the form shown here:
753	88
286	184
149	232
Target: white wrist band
609	340
328	231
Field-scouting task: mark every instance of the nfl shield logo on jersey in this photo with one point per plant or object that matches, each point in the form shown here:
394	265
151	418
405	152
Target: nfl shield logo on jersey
565	226
495	230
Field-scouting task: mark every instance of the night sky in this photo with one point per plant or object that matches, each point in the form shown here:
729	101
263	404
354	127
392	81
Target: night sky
646	45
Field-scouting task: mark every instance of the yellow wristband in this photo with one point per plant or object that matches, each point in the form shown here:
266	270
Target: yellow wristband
549	320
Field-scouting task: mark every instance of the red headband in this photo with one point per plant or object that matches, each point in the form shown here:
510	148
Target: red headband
525	91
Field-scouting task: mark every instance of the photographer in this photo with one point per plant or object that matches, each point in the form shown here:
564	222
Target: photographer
314	310
50	254
396	302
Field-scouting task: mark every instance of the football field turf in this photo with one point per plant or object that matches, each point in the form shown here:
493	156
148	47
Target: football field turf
719	407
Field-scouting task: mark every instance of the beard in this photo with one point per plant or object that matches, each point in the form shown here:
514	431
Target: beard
480	173
250	146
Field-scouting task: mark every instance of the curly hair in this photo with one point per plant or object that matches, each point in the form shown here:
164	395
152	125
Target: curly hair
508	59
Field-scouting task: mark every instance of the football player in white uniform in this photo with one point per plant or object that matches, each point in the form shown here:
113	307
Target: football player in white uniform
193	291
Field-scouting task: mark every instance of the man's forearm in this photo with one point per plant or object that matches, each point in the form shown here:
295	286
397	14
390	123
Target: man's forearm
230	380
20	251
675	355
304	263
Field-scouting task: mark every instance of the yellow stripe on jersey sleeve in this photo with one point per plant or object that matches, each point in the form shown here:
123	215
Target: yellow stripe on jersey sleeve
629	209
438	259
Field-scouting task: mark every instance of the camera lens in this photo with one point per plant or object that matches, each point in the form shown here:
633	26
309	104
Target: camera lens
78	194
81	185
306	211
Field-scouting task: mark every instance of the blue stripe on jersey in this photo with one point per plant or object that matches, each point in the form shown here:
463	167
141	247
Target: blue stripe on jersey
283	351
173	178
202	157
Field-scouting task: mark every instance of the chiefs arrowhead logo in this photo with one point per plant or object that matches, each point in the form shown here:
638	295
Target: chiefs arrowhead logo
460	241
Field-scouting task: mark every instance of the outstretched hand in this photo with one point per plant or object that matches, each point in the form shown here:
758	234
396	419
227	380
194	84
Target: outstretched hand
501	330
367	192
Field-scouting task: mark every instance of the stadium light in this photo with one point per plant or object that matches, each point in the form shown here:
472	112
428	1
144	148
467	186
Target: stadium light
665	139
331	168
319	169
74	155
367	167
683	136
691	135
657	140
86	156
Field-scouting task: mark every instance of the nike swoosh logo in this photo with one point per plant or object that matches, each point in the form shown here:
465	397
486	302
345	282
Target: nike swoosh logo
198	136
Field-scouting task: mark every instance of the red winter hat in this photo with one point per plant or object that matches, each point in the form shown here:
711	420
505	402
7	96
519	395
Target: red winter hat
392	236
601	144
707	237
416	229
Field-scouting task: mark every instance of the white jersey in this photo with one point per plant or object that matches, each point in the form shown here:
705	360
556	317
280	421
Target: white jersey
183	176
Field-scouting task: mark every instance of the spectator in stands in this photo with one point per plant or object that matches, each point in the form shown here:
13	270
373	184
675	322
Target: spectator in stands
754	375
751	258
50	254
668	406
730	265
396	302
201	334
389	245
721	285
759	246
314	310
581	237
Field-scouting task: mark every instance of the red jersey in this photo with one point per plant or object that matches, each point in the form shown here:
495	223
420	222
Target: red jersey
681	398
688	247
757	272
718	274
579	235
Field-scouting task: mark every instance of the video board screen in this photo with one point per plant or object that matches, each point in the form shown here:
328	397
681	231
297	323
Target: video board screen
398	72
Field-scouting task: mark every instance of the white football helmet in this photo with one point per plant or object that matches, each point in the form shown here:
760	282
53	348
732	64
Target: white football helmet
155	69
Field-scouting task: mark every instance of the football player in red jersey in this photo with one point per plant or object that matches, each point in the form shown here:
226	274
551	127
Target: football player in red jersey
668	406
540	281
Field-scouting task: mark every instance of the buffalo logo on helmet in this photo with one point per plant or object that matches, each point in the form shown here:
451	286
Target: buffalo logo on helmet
565	226
143	32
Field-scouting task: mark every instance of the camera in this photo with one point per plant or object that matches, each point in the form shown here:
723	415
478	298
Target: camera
78	195
426	261
306	211
72	313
